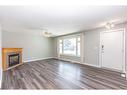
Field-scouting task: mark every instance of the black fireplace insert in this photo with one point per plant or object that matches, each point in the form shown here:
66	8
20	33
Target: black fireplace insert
13	59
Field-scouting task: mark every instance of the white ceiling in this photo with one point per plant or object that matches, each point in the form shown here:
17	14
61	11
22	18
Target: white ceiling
60	20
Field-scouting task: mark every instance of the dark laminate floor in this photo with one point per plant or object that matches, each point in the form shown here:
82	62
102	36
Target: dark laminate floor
56	74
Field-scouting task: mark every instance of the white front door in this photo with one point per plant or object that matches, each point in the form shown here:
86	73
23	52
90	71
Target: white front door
112	50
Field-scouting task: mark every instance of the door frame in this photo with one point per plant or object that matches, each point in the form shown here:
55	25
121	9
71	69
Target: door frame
100	54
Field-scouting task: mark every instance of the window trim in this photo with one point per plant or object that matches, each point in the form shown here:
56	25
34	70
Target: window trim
69	37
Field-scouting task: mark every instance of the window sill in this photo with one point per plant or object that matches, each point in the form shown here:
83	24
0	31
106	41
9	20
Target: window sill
69	55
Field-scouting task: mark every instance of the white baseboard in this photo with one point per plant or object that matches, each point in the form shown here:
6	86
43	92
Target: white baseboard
68	60
91	65
55	57
78	62
37	59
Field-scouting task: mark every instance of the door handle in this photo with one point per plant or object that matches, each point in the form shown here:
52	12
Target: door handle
102	48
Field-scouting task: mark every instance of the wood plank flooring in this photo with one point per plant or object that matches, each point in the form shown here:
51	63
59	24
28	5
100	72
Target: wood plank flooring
56	74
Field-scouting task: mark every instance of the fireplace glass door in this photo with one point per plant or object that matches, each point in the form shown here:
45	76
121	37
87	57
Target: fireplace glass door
13	59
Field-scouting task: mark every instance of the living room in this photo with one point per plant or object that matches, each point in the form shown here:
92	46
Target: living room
63	47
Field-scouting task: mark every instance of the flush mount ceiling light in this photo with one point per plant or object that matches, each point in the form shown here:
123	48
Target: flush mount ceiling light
109	25
46	34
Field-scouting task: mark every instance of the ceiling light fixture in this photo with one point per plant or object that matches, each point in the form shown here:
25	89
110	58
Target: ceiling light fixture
46	34
109	25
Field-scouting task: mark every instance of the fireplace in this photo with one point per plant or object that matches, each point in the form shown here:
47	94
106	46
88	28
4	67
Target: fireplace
13	59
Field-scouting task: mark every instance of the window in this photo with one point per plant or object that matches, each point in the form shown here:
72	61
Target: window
70	46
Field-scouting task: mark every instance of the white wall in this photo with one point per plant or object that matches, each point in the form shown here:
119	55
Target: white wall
0	60
92	44
34	46
91	47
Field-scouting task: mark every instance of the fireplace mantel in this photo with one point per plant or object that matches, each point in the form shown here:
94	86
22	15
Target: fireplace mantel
5	52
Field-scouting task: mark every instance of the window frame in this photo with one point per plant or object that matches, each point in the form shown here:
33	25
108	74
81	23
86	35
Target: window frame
59	46
70	37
